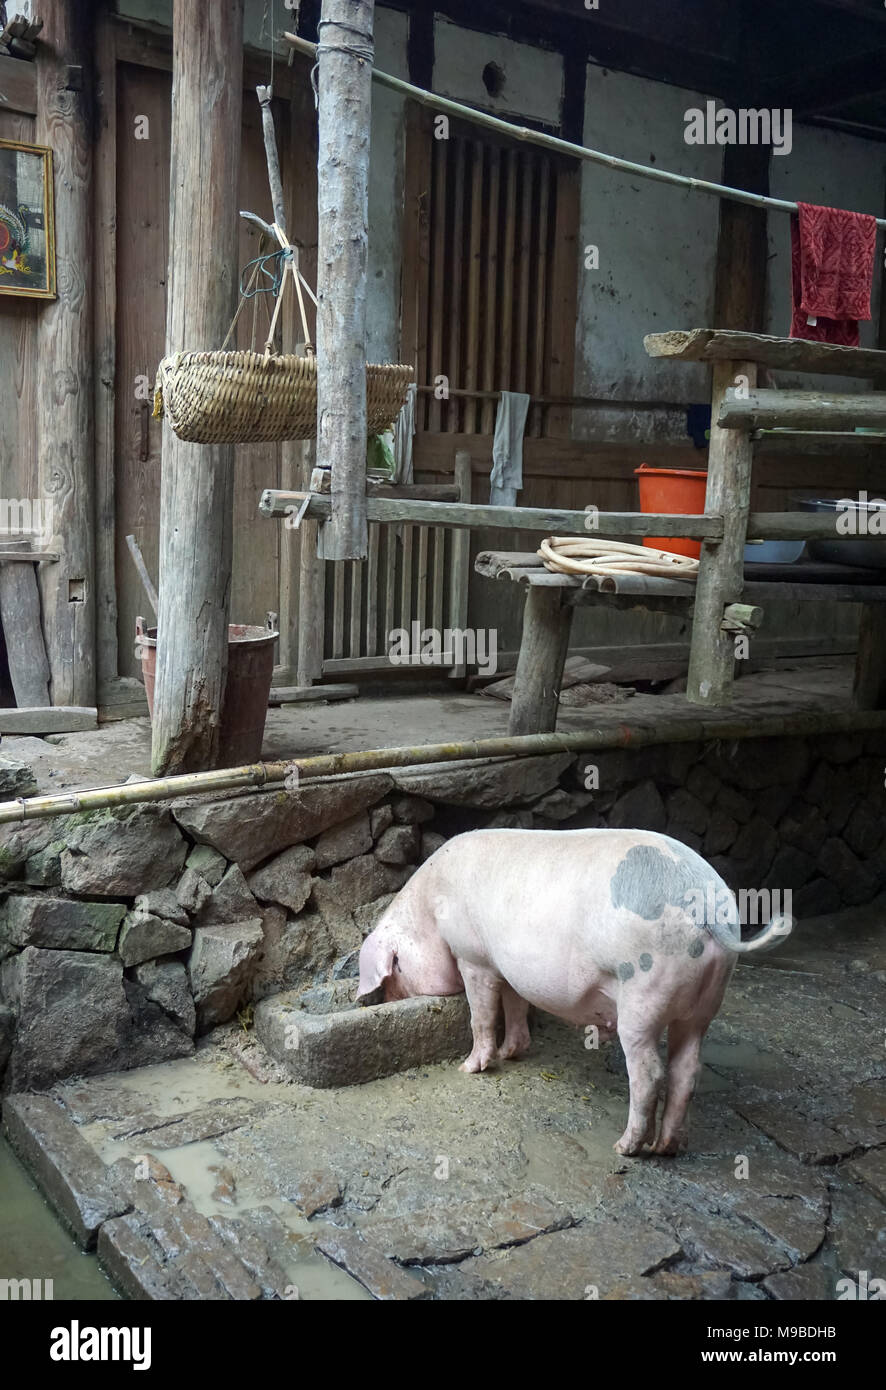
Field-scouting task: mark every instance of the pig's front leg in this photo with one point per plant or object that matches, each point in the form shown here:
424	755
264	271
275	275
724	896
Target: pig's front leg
483	989
516	1039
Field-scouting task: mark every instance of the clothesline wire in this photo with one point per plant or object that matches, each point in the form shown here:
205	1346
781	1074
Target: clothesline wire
445	106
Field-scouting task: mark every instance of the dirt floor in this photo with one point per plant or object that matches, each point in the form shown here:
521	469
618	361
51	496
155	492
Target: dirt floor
384	718
506	1185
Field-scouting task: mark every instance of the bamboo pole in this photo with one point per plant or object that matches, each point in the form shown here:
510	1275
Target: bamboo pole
553	142
344	61
802	724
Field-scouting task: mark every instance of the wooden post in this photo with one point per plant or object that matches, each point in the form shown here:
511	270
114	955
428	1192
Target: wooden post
870	665
460	577
721	570
345	83
104	318
543	649
197	483
311	627
740	292
64	374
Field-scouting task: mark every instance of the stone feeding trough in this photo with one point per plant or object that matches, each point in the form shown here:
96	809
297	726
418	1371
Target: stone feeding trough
324	1038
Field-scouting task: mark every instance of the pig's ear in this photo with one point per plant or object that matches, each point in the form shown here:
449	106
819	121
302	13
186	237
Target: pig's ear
377	958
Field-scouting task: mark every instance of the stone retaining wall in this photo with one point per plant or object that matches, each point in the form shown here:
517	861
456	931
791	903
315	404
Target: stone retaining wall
125	933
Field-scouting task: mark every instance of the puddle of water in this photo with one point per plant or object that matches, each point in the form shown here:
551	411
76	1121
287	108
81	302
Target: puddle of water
315	1277
34	1245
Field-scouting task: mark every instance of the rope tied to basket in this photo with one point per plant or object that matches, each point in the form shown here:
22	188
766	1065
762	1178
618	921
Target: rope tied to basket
278	257
573	555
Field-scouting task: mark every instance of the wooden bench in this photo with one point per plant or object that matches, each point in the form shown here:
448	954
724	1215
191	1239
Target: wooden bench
551	599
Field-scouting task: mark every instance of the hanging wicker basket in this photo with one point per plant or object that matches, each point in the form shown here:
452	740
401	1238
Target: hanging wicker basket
261	397
251	398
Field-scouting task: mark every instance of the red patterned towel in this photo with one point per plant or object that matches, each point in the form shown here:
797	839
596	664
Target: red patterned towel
832	270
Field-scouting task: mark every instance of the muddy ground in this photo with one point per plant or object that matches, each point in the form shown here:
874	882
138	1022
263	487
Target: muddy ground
506	1185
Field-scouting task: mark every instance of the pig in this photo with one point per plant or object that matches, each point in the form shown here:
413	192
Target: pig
622	931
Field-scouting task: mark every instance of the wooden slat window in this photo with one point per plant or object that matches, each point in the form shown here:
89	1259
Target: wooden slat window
484	288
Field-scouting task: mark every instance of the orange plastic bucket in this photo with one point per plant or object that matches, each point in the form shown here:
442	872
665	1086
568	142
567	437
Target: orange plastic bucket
680	491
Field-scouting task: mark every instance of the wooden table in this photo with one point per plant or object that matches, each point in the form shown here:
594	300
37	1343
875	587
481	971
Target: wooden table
552	598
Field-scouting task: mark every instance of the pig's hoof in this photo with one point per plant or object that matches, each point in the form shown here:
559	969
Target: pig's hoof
478	1061
512	1048
628	1146
670	1147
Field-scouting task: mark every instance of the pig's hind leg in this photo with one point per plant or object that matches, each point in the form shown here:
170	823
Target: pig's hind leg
646	1074
684	1064
483	989
516	1040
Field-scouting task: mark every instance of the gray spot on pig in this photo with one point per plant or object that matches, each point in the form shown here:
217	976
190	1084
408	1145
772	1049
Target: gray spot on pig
646	961
647	881
696	947
625	970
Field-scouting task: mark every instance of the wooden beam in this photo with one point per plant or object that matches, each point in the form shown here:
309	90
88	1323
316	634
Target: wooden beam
197	481
791	526
721	568
18	85
461	558
345	60
742	250
28	557
832	82
311	625
801	410
274	503
307	694
782	354
869	686
64	371
105	319
58	719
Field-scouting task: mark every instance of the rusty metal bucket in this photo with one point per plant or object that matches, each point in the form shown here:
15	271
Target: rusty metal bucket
248	685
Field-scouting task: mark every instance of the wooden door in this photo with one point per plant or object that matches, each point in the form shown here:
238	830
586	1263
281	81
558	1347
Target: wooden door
142	256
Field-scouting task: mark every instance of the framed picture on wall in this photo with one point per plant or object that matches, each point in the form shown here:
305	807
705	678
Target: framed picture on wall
27	230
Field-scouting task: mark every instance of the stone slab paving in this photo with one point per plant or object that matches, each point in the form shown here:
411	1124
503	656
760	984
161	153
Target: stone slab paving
217	1177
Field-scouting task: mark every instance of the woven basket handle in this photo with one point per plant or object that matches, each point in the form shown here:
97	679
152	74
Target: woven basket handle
292	265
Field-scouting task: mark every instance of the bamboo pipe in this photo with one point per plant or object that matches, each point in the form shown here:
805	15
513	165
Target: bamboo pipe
800	724
553	142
